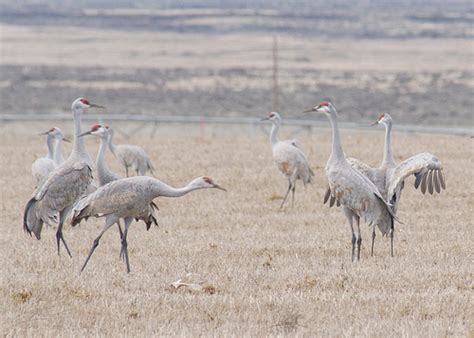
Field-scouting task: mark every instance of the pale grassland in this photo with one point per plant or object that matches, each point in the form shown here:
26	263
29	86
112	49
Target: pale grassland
268	272
73	46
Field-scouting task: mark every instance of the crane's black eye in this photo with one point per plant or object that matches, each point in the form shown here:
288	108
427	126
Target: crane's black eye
272	115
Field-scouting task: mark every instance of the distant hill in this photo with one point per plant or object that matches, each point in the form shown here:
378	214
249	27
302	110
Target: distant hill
334	19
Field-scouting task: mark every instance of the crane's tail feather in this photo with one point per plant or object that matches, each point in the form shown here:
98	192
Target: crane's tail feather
31	223
388	208
78	215
326	195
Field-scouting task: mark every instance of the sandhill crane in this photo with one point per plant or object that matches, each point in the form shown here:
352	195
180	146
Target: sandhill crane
58	146
289	157
131	156
66	184
42	167
129	198
390	177
354	191
103	173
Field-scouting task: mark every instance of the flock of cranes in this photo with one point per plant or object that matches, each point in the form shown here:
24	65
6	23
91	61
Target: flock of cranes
66	191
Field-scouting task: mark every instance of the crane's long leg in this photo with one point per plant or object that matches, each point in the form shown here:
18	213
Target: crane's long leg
286	195
126	170
373	240
124	250
293	194
120	229
109	221
59	232
359	237
349	216
391	241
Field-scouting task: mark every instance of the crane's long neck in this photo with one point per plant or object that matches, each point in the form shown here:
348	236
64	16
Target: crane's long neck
337	154
162	189
102	169
58	151
49	143
388	158
274	133
79	151
111	143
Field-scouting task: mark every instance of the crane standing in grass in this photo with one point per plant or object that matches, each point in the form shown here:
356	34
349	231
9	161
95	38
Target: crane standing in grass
44	166
390	177
66	184
104	174
58	146
354	191
289	157
131	156
129	198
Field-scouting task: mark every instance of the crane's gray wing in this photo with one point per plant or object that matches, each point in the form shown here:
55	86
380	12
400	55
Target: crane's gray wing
62	188
362	168
371	188
299	149
115	197
427	169
295	143
41	168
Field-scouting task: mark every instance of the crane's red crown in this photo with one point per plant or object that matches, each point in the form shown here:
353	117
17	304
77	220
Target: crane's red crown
324	104
208	180
381	116
84	101
95	127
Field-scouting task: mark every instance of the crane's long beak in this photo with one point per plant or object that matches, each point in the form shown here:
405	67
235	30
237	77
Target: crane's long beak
373	124
311	110
45	133
66	140
86	133
217	186
93	105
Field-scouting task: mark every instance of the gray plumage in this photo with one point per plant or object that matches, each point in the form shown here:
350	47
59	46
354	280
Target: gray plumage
359	197
43	167
66	184
390	177
104	174
131	156
289	157
129	198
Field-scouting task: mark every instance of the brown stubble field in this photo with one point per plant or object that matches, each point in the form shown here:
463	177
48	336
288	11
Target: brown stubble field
266	272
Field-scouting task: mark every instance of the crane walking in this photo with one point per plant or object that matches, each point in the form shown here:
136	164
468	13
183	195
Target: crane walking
103	172
129	198
66	184
354	191
390	177
289	157
131	156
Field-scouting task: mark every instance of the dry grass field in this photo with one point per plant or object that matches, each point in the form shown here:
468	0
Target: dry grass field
266	272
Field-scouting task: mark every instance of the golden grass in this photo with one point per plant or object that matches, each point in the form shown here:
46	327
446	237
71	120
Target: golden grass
266	272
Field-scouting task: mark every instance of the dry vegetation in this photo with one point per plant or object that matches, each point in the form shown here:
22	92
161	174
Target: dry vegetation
267	272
